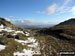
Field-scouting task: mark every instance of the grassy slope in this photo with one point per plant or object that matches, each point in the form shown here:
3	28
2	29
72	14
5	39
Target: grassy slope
51	46
60	38
11	44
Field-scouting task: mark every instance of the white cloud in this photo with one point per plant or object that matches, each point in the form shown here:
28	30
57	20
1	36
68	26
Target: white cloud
51	9
29	22
26	21
64	4
73	10
64	7
54	8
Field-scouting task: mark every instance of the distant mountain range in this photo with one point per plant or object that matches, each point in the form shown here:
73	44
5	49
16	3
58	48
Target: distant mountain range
34	26
67	22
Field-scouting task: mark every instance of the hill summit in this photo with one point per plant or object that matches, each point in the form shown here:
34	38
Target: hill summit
68	22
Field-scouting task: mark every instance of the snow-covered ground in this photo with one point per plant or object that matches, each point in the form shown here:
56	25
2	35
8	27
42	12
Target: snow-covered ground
27	34
8	29
33	47
29	40
2	47
29	52
16	32
1	26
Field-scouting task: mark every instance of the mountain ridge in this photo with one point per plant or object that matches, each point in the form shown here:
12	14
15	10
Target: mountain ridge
67	22
63	29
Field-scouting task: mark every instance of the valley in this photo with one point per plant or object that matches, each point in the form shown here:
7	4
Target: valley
16	41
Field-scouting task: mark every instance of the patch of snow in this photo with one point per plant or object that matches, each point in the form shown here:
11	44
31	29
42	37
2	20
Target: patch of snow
18	54
33	45
22	41
27	34
30	40
19	32
9	30
16	32
26	53
2	47
30	51
1	26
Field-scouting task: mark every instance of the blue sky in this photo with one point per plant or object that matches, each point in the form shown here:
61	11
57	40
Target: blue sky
45	11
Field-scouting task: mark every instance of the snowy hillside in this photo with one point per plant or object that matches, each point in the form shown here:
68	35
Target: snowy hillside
30	46
8	29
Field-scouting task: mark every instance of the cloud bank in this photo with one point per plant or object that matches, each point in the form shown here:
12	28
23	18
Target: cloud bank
56	8
27	21
51	9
